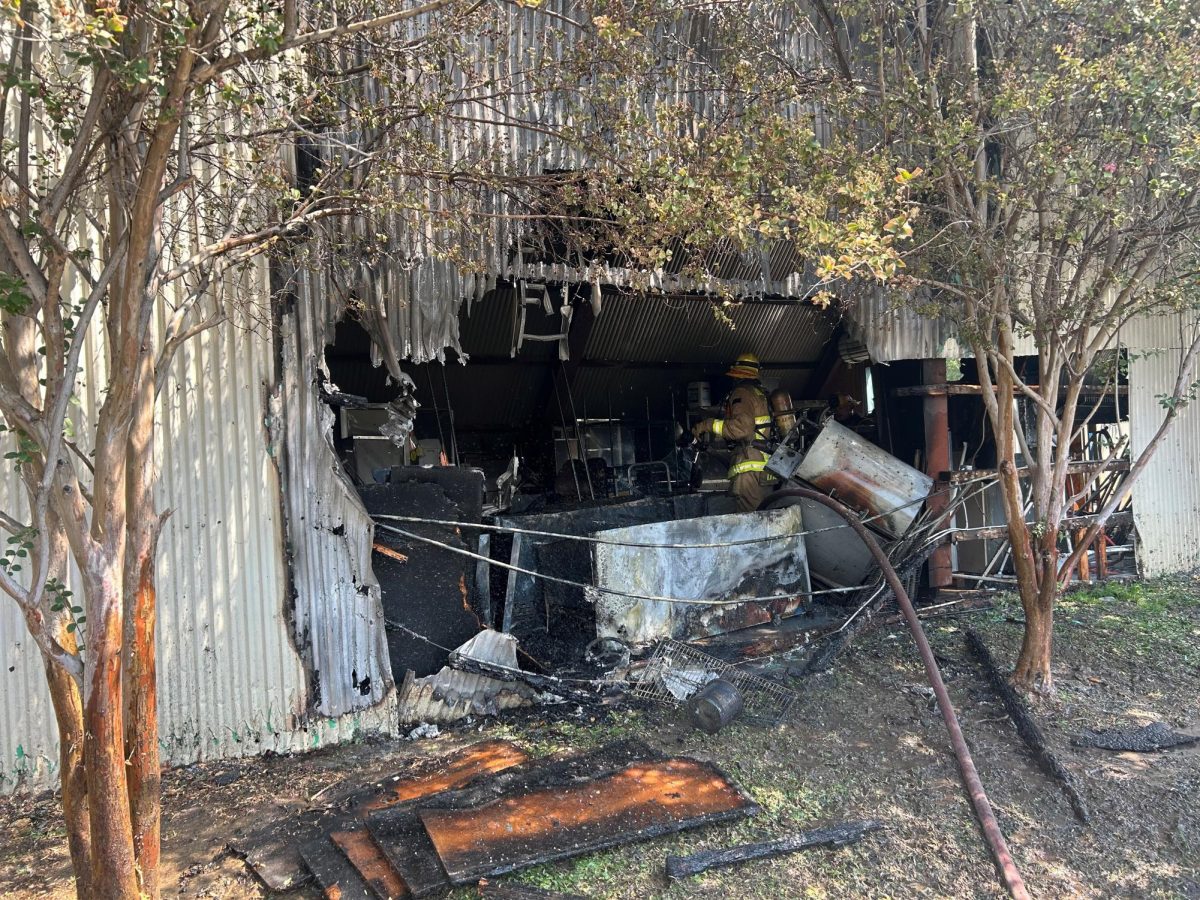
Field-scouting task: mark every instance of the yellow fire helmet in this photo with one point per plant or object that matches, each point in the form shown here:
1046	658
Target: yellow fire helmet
747	366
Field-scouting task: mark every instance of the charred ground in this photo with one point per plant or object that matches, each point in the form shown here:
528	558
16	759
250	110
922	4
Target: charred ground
864	741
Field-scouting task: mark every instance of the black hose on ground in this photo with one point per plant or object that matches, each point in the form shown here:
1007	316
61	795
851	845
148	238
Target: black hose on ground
983	808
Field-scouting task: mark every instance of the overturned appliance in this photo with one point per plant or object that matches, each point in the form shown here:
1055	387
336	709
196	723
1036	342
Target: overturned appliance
697	577
865	477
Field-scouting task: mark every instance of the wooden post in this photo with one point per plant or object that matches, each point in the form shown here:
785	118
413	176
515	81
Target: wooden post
937	460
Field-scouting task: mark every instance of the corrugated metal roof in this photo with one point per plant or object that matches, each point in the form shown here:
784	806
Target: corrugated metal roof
887	324
650	328
418	294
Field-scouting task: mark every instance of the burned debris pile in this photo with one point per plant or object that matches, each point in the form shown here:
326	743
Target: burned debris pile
489	610
487	810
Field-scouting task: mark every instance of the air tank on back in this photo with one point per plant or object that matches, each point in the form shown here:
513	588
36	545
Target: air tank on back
782	411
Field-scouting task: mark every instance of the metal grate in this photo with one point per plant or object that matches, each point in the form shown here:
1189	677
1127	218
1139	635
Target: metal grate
676	671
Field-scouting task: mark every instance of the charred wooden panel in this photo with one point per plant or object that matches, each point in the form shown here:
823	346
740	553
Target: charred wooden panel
274	851
365	857
641	801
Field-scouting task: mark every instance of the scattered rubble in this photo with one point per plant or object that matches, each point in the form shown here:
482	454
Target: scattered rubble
452	694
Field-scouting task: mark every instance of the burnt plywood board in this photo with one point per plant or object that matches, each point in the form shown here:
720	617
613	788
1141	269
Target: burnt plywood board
274	850
401	836
641	801
548	772
404	843
332	871
430	593
365	858
447	773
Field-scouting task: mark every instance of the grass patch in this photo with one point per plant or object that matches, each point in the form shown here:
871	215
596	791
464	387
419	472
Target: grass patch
1145	619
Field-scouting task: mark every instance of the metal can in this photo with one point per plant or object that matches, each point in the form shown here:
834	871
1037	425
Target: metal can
715	705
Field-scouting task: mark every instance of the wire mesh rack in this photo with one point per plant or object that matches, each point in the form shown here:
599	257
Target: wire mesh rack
676	671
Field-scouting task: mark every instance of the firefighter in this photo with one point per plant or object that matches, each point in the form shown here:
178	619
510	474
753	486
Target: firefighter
747	419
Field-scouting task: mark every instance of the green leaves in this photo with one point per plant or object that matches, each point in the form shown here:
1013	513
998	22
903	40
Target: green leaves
13	297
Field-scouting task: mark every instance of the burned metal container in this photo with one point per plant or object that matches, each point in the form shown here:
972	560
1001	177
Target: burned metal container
865	477
754	566
714	706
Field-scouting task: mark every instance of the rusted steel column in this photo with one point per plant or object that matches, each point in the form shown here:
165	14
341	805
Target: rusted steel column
983	808
937	460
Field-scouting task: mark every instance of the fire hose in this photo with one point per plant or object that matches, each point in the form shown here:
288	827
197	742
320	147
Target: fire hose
983	808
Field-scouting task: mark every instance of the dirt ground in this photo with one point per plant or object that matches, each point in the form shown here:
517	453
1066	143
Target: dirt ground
865	740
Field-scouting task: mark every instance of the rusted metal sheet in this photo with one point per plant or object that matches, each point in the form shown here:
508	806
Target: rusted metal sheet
642	801
865	477
936	411
274	851
776	568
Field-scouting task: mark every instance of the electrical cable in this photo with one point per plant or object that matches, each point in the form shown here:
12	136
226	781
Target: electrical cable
579	584
508	529
517	673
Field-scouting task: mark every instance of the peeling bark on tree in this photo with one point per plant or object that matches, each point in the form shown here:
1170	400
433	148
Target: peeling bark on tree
68	713
113	873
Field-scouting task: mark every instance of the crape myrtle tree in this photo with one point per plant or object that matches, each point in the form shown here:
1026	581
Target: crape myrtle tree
1056	148
147	160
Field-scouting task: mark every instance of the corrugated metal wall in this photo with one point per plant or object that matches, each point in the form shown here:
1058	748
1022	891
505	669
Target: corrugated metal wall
888	325
335	600
1166	498
231	681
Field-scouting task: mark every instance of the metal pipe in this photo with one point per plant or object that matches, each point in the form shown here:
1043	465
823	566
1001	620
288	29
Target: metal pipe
983	808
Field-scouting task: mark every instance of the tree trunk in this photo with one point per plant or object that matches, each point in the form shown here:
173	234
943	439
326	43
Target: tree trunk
141	736
113	868
1032	673
68	713
141	615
